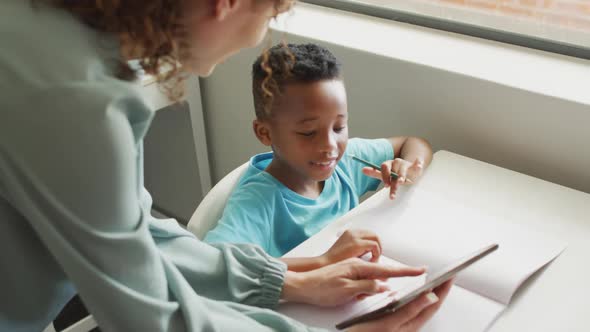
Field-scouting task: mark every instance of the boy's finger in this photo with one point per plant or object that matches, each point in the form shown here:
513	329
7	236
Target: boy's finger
394	186
403	171
418	164
385	174
374	173
366	235
414	171
373	247
393	190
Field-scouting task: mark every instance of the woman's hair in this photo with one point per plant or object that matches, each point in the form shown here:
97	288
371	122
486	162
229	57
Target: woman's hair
285	64
156	28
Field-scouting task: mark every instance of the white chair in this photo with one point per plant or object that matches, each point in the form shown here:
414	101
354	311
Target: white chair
84	325
211	207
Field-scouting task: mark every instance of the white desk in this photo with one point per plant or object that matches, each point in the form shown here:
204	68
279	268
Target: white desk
558	297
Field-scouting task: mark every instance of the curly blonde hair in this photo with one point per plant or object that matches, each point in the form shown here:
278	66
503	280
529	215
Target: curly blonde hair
155	26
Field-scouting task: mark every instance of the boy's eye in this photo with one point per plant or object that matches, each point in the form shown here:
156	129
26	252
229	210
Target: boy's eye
306	133
339	129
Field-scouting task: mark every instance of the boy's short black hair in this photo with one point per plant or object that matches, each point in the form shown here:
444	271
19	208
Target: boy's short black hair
285	64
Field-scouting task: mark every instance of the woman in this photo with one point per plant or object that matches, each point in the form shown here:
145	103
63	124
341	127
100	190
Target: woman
74	216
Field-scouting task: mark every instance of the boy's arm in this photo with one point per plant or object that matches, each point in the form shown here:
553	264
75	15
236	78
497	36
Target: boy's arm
352	243
246	218
304	264
412	156
412	149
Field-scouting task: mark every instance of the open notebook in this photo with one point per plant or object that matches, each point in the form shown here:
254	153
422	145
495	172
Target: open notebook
428	230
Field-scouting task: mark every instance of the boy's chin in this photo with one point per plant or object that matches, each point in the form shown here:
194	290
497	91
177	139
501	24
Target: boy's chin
323	177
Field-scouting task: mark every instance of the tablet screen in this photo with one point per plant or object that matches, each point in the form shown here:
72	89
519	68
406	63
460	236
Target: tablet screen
434	280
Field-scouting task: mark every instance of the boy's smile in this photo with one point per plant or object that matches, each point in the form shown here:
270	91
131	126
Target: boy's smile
308	133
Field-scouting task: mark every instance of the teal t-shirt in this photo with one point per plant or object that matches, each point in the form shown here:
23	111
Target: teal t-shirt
263	211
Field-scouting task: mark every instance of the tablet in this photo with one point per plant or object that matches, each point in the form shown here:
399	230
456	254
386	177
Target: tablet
433	281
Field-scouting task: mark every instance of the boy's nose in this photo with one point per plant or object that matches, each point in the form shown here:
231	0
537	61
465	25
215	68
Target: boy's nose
329	144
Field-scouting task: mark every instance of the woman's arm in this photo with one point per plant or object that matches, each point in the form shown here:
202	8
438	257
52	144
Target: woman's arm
342	282
70	164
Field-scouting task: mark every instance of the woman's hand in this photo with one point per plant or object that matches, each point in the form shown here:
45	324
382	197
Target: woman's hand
411	317
408	172
353	243
341	282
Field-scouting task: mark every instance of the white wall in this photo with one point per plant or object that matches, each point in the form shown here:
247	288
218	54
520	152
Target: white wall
171	170
526	131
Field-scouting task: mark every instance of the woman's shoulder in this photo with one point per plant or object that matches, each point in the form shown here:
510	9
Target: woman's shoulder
42	45
55	76
81	109
47	51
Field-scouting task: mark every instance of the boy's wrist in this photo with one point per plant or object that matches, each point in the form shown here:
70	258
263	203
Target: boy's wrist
323	260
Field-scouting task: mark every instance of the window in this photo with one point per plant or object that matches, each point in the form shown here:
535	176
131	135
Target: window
561	26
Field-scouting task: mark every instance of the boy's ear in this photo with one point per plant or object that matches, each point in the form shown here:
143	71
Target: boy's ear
262	132
222	8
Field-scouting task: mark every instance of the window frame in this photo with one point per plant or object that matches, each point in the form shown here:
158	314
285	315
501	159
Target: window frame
468	29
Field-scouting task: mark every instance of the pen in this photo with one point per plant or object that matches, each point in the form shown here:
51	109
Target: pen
394	175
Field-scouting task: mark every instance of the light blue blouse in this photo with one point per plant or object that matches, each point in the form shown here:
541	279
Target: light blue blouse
74	216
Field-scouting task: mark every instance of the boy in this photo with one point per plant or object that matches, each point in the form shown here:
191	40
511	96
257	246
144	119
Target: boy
308	180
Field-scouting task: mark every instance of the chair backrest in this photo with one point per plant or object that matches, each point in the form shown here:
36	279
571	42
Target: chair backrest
211	207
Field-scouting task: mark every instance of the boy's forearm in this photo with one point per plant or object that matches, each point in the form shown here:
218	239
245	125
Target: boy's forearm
415	148
303	264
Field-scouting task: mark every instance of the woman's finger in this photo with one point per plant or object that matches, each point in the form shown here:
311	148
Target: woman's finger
407	316
441	292
391	294
367	287
366	270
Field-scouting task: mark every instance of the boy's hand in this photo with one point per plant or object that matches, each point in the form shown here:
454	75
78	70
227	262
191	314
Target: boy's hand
408	173
353	243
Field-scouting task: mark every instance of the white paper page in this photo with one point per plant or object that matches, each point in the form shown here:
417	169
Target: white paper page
464	311
427	229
